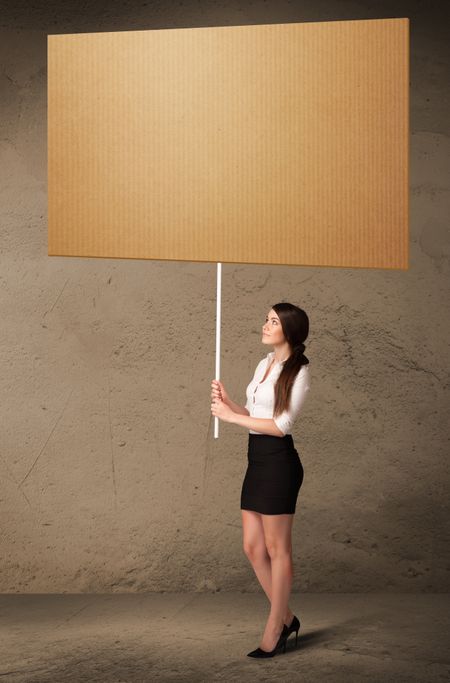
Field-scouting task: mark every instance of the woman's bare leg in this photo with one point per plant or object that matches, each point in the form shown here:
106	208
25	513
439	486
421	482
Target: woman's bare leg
256	551
277	534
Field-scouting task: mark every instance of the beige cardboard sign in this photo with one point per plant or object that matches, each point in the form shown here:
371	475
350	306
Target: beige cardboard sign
275	144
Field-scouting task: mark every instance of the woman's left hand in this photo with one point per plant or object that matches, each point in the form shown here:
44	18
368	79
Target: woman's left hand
222	411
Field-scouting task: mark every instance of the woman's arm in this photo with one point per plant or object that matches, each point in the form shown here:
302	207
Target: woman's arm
257	424
237	408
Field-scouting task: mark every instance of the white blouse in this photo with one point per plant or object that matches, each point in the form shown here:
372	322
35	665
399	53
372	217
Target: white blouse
261	395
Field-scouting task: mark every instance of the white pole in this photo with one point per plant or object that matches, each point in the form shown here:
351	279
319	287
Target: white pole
218	312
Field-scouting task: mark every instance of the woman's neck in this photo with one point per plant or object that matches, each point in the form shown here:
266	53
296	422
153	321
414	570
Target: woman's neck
282	353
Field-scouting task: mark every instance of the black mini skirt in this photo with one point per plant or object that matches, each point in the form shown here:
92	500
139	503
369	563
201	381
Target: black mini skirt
274	475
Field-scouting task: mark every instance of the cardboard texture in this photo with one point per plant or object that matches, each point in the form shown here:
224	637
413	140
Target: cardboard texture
276	144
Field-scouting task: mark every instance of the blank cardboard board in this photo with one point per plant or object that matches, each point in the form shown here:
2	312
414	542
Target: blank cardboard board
275	144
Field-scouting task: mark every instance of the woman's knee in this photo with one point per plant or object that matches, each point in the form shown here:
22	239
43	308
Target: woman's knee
277	549
256	552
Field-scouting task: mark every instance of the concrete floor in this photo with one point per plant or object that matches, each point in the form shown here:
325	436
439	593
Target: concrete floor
206	636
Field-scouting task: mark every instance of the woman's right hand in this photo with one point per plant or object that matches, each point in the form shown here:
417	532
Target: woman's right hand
218	391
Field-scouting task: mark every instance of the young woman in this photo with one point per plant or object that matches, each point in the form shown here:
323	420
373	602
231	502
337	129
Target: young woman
274	474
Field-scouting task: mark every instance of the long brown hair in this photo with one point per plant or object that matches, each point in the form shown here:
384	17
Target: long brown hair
295	325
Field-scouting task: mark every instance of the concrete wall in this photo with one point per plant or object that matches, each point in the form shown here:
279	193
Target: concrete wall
111	479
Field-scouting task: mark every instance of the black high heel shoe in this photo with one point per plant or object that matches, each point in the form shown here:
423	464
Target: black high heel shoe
295	626
281	643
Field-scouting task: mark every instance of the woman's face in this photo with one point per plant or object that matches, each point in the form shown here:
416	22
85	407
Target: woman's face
272	330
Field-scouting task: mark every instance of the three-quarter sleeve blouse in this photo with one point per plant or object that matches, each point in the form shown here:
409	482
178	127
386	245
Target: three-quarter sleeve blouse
261	395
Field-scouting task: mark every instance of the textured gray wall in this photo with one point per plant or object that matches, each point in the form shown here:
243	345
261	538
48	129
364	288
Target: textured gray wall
110	477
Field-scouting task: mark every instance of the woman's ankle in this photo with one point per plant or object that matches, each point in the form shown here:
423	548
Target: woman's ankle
288	617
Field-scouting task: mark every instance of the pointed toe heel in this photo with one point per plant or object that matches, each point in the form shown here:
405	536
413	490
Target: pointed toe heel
259	653
295	626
